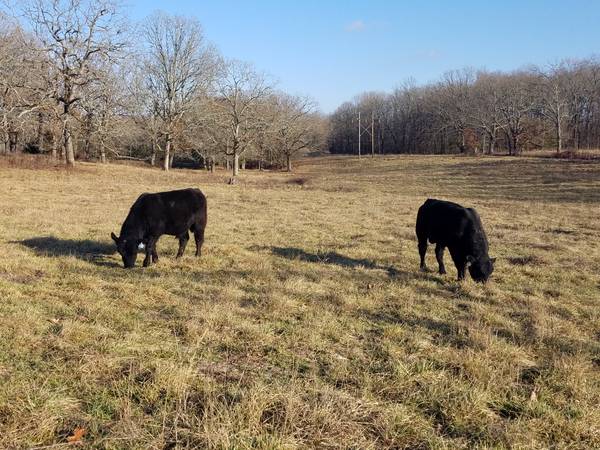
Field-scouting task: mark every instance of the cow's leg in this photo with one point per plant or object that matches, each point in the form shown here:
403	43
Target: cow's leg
199	237
183	240
439	255
147	258
154	251
461	271
460	261
422	252
150	252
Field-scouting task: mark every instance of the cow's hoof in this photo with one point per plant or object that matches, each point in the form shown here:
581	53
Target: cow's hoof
442	272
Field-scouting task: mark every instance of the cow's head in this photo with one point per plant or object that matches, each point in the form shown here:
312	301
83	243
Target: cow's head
127	248
481	268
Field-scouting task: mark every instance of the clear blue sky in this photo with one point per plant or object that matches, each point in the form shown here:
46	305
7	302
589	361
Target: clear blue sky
333	50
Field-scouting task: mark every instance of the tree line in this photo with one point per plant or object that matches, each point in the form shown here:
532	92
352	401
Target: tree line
556	106
74	85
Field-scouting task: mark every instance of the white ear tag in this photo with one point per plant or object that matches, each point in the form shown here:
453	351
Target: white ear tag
141	246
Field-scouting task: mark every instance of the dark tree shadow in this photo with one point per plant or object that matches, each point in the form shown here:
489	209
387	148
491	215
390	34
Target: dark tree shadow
85	249
331	258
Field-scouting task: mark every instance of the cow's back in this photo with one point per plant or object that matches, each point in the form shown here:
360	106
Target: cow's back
171	212
442	222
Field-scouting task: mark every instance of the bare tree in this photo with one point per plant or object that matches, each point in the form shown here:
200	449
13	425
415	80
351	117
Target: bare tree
484	112
455	97
517	100
140	106
240	90
295	126
553	97
202	133
102	104
406	121
583	86
265	145
20	75
75	37
179	66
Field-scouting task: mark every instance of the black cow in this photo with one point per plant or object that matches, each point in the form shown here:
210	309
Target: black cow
450	225
152	215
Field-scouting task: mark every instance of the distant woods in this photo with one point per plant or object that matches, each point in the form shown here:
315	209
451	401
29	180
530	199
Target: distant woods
467	111
78	81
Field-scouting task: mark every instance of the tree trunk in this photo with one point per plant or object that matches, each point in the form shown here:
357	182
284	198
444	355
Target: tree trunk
54	148
236	164
289	163
86	145
508	139
167	161
492	144
13	141
558	136
171	160
102	153
67	148
68	144
153	156
40	132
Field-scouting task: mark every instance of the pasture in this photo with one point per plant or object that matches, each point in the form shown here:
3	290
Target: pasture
306	323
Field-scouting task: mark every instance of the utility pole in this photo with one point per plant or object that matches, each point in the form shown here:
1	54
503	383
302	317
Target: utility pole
372	134
369	130
359	134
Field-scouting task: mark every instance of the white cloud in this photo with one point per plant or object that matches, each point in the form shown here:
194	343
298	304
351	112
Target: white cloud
355	26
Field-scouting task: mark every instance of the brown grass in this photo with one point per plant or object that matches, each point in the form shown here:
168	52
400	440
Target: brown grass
306	324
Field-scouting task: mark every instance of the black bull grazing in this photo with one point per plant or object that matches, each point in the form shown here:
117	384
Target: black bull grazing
152	215
450	225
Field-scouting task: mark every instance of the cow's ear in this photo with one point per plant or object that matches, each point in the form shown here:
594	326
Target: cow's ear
114	237
470	260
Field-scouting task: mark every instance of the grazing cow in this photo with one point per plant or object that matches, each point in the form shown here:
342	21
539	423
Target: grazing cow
450	225
152	215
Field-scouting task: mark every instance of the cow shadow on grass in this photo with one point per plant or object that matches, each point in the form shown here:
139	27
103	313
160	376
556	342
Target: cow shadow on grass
333	258
84	249
452	332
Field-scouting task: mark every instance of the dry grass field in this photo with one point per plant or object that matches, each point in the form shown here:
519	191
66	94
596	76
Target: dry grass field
306	323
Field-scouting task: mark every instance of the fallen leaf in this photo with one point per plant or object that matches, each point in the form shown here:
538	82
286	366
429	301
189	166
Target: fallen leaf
77	435
533	396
